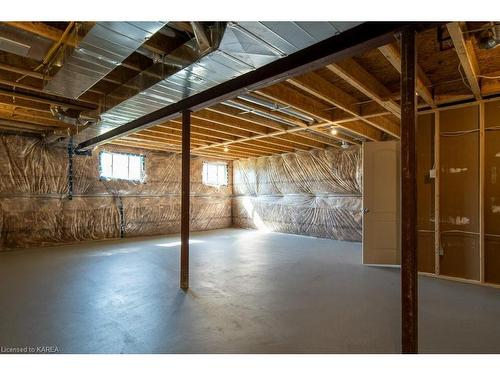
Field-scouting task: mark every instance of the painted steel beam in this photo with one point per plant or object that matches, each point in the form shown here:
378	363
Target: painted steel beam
409	276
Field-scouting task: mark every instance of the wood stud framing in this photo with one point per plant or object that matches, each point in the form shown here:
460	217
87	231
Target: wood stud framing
437	186
481	190
358	77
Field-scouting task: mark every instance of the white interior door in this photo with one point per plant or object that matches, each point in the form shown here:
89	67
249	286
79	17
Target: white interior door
381	203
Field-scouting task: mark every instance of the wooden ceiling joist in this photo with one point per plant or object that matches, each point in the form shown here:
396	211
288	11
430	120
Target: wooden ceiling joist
39	76
300	139
222	119
54	34
293	138
23	71
203	137
250	117
354	74
392	54
195	130
237	131
287	96
31	119
213	127
44	100
237	114
39	90
170	138
467	57
214	155
176	139
22	110
285	143
276	146
490	86
20	103
273	112
270	140
18	124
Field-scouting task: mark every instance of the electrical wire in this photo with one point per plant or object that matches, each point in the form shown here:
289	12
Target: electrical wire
488	77
458	133
463	79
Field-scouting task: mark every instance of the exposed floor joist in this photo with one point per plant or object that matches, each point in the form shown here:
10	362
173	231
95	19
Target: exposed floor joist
329	108
354	74
467	57
392	54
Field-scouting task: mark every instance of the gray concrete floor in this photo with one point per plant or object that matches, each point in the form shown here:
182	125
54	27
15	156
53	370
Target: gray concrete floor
251	292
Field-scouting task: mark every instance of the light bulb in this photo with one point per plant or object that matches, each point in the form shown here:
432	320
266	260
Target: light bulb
334	131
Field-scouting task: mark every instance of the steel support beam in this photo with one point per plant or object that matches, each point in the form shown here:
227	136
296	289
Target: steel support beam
359	39
409	281
186	140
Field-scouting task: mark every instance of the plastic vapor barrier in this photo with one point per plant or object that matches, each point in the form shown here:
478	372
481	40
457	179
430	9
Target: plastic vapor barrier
35	208
315	193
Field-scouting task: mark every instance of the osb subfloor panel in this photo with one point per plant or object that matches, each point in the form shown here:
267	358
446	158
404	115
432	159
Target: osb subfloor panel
252	292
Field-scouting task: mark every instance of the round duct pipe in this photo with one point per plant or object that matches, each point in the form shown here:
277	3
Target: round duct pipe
73	116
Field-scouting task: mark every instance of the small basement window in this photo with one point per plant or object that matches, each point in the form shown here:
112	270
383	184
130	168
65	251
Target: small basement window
215	174
121	166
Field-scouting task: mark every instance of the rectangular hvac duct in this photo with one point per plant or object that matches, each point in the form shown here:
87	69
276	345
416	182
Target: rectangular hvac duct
12	46
102	49
243	47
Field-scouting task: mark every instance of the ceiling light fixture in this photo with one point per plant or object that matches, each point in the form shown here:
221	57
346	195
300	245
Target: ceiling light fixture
334	131
226	149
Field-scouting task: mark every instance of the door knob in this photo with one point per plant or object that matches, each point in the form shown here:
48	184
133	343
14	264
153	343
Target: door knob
366	210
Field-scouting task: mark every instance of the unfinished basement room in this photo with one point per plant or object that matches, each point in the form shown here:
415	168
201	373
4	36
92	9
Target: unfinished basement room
249	187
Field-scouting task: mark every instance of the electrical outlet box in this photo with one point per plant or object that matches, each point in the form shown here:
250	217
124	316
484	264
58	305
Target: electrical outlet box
432	173
441	251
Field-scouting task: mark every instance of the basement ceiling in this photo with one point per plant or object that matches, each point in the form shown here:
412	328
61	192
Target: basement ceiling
342	104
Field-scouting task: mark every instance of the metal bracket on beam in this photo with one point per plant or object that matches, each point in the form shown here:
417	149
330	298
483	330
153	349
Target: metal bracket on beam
82	152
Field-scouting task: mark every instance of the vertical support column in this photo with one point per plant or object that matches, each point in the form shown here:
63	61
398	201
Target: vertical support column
437	215
481	189
71	152
409	300
186	141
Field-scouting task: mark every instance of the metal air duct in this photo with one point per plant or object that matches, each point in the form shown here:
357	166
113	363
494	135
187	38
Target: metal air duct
243	47
102	49
73	116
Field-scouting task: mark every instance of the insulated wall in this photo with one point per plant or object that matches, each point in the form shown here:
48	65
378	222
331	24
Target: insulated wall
35	209
425	193
492	193
315	193
463	145
459	192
